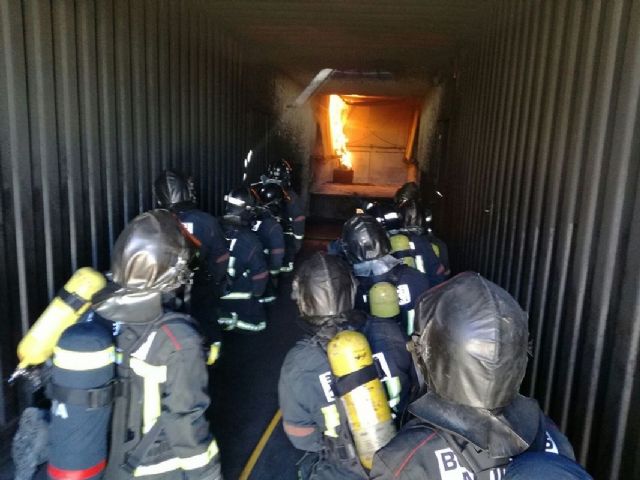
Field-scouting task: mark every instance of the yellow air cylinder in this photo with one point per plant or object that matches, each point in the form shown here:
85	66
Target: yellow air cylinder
401	243
383	300
64	310
365	403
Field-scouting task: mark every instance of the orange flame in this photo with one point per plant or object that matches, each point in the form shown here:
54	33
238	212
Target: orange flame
338	110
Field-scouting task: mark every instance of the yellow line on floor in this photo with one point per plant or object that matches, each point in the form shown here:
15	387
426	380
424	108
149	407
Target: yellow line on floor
255	455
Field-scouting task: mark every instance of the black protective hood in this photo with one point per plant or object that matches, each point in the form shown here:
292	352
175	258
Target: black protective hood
412	216
172	188
363	238
408	191
472	342
324	289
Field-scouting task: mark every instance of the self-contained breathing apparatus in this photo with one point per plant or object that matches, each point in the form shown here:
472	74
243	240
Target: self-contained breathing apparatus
359	420
93	372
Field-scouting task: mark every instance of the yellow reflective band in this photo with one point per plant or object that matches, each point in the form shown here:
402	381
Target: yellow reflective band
80	361
252	327
436	249
214	353
331	420
229	323
175	463
394	387
237	296
152	377
231	267
411	315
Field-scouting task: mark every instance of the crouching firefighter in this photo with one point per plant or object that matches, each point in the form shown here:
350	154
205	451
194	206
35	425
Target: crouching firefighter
158	429
241	308
338	370
471	347
368	249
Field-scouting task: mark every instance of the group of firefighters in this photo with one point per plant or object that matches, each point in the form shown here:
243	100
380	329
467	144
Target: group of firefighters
401	373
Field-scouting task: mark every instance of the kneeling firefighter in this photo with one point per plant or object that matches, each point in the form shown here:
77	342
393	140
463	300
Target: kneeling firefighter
330	375
368	249
159	429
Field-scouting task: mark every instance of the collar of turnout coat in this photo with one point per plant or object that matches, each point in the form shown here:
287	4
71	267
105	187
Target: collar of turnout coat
504	434
129	307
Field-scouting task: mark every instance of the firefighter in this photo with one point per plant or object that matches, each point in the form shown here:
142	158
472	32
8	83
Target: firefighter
159	429
407	200
438	245
241	308
367	248
313	419
419	248
271	197
471	349
174	192
293	218
427	256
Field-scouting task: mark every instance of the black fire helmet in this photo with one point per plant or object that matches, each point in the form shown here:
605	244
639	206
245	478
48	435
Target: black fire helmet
410	191
280	171
172	188
413	217
323	288
386	215
271	195
363	238
240	203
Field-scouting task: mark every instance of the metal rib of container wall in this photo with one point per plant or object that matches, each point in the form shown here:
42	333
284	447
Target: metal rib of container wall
96	98
550	206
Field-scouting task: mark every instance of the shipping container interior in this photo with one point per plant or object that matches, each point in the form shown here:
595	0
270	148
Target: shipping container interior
519	119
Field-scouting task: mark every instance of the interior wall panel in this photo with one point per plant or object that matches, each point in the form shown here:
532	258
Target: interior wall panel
547	129
96	98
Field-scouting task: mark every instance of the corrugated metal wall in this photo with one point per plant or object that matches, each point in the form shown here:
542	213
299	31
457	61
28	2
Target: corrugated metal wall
543	199
96	97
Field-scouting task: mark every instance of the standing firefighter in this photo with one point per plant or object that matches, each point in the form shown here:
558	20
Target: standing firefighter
175	193
330	374
241	307
158	429
293	219
472	350
270	234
